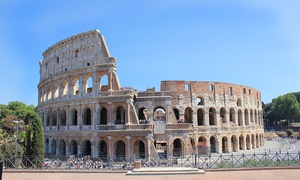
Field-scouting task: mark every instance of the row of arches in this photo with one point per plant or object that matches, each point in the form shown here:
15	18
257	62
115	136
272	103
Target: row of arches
205	116
72	86
232	143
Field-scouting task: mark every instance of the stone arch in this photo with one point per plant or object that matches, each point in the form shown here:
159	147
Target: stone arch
139	149
103	116
255	116
54	118
223	115
225	144
212	116
87	116
120	115
88	84
213	144
46	145
62	147
246	114
75	86
176	112
202	145
252	141
232	115
142	115
178	147
63	118
73	147
104	83
74	117
65	88
251	116
239	102
102	150
159	114
48	118
86	148
53	146
200	117
241	142
56	90
188	115
240	118
234	143
257	141
200	100
248	142
49	95
120	149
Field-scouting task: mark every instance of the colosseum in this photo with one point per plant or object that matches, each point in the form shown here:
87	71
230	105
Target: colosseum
86	112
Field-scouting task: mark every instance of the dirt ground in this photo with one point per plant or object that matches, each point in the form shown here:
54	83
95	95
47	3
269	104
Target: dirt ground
278	174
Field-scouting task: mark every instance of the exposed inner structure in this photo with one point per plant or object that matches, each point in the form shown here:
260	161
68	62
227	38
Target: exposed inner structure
86	112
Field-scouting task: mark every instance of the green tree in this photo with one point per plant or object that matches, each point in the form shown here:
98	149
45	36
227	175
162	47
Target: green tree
287	107
34	144
289	132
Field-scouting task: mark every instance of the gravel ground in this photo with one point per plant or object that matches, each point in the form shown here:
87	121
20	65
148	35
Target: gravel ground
277	174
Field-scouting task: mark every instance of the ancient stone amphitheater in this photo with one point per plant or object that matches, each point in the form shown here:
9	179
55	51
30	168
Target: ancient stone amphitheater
86	112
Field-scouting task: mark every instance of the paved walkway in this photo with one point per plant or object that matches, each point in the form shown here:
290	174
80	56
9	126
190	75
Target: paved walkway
278	174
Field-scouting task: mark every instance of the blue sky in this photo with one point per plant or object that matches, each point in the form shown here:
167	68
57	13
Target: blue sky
247	42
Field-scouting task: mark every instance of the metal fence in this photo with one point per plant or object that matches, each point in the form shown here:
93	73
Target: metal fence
212	161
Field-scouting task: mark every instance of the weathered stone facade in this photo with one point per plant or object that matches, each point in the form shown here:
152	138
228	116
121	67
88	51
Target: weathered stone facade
85	111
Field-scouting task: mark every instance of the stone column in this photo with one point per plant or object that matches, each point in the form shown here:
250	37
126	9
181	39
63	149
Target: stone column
110	152
128	148
128	110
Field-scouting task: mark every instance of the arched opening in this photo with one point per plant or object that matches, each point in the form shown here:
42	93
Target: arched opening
103	116
252	141
223	115
120	150
241	141
200	117
86	148
139	149
246	117
251	116
120	115
213	146
176	112
240	118
102	150
239	102
48	119
202	145
177	144
143	115
54	118
55	94
255	116
224	144
212	116
53	146
62	147
257	141
104	83
65	88
200	100
75	86
188	115
73	148
87	117
89	85
234	143
232	115
47	146
159	114
63	118
74	117
248	145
